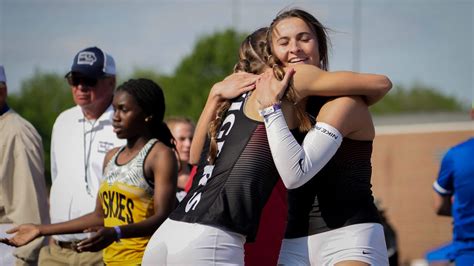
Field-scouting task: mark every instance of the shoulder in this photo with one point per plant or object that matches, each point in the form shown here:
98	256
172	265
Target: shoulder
160	159
350	115
160	150
108	156
20	127
465	146
71	114
111	152
346	105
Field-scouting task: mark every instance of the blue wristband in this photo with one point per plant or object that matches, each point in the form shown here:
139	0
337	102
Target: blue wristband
118	232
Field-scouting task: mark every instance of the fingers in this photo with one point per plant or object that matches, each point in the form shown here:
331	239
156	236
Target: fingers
247	88
288	75
5	241
92	229
86	244
92	244
12	230
9	242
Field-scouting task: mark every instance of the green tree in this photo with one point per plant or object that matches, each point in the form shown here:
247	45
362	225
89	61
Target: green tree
41	99
417	98
213	58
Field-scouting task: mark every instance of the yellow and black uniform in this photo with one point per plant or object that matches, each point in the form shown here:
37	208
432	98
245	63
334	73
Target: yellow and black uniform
126	198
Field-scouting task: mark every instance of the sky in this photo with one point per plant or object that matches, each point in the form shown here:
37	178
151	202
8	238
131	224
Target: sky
412	41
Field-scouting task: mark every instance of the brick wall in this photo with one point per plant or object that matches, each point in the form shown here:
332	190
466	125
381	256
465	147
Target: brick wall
405	164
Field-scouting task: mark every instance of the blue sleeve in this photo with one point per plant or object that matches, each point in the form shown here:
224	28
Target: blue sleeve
444	183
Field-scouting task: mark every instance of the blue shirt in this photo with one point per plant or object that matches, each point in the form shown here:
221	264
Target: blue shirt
456	177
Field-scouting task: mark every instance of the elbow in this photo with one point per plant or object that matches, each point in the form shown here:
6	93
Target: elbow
385	85
290	184
193	159
194	156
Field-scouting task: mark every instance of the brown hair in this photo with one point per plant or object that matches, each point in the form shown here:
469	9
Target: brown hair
253	59
319	30
314	103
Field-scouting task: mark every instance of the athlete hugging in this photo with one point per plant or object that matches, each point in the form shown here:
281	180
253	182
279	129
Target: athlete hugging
227	126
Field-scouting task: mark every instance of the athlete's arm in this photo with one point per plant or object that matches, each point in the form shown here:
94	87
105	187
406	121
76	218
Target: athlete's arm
309	80
161	164
231	87
297	164
26	233
444	186
442	204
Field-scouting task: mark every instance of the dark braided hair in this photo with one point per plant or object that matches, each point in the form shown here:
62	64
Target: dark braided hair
320	31
149	96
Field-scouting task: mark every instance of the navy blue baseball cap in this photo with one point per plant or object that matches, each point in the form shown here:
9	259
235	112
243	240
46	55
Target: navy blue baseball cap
93	62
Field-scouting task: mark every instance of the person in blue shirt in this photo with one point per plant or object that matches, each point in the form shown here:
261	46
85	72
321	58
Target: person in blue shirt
455	197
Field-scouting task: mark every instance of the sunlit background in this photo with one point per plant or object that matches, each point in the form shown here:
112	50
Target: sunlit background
425	41
426	47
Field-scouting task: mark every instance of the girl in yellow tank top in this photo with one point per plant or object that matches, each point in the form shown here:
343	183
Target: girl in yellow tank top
139	186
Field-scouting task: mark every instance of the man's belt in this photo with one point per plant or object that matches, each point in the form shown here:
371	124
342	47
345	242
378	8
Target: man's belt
68	245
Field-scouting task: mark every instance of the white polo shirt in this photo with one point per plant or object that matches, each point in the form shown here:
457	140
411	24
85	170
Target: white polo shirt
77	146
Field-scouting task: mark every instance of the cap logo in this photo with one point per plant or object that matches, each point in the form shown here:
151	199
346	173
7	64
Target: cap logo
86	58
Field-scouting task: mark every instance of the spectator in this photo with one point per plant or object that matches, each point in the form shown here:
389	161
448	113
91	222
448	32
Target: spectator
23	197
81	137
182	129
455	197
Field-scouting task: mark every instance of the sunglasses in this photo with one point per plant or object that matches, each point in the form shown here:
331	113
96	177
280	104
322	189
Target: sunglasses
85	81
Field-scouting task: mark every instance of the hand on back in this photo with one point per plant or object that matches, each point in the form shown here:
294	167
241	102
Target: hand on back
234	85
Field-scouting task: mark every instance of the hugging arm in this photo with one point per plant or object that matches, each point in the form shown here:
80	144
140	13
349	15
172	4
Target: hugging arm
309	80
231	87
296	163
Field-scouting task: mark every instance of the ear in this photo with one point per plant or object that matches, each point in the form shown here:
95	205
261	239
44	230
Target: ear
148	118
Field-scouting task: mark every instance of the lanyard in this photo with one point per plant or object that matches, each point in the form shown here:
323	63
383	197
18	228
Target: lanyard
87	151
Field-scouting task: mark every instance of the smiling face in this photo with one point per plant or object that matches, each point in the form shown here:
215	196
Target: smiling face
293	42
129	118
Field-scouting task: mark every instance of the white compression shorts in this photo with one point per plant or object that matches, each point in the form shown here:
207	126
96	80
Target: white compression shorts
296	163
181	243
360	242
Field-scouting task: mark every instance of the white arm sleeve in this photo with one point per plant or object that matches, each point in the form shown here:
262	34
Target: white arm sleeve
296	163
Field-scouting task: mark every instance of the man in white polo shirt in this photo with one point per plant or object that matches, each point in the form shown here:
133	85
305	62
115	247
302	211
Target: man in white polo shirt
81	137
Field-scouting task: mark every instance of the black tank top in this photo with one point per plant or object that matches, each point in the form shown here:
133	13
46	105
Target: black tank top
339	195
232	192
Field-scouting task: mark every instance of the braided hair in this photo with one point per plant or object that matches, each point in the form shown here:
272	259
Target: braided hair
151	99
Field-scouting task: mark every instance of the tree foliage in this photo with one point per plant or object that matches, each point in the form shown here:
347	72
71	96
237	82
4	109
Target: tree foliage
418	98
212	58
41	99
44	95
